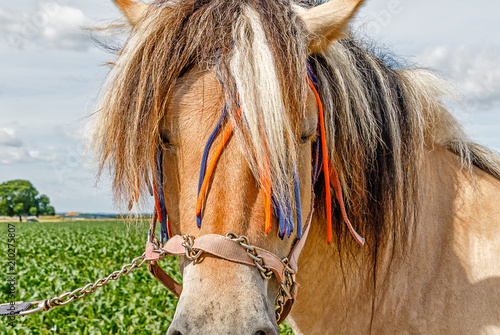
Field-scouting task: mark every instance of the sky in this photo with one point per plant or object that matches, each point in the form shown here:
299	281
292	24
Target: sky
51	71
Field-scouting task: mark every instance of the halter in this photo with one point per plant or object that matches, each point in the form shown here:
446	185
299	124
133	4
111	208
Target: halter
236	248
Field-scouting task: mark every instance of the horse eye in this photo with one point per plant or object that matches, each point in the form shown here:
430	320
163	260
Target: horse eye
165	139
308	131
308	138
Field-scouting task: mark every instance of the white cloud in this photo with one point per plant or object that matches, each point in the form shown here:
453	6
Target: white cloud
475	73
77	133
36	146
9	138
13	155
51	26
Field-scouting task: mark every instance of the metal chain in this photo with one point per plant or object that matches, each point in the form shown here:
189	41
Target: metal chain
188	243
285	290
193	253
265	270
280	303
288	286
90	288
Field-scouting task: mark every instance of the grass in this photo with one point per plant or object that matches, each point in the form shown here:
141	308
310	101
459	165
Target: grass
54	258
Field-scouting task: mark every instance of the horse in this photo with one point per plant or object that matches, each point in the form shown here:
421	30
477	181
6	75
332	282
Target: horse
302	110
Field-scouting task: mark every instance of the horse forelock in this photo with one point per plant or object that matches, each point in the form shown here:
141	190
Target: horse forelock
259	53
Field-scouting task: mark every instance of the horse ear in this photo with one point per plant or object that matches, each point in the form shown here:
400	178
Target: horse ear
133	10
327	22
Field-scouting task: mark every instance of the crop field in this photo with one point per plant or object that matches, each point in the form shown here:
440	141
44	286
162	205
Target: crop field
55	258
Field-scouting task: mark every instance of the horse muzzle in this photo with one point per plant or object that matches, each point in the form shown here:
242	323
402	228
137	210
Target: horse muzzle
220	297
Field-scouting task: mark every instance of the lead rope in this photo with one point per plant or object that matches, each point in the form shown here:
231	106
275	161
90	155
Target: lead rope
22	309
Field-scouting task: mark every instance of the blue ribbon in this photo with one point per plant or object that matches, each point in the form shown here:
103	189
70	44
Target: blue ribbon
204	159
161	199
296	182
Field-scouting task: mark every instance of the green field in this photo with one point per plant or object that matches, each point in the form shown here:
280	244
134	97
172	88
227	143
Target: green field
54	258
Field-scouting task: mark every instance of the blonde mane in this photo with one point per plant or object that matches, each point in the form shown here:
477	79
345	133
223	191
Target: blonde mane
378	118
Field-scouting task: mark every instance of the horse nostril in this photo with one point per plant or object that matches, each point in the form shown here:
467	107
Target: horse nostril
266	331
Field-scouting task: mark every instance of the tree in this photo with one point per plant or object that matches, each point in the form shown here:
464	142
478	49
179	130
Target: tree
20	197
50	210
44	203
19	210
34	211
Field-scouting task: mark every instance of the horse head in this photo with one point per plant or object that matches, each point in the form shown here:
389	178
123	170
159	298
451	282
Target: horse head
190	67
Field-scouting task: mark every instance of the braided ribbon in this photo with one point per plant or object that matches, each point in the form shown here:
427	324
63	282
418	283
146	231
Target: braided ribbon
285	220
330	173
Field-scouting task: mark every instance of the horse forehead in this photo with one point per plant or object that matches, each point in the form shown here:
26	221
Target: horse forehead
198	98
311	112
195	97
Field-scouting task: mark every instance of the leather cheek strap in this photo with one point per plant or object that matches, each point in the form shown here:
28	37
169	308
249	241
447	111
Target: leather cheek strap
287	307
165	279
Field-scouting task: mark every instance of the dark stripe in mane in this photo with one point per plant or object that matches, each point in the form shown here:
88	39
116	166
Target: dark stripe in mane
379	171
380	121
